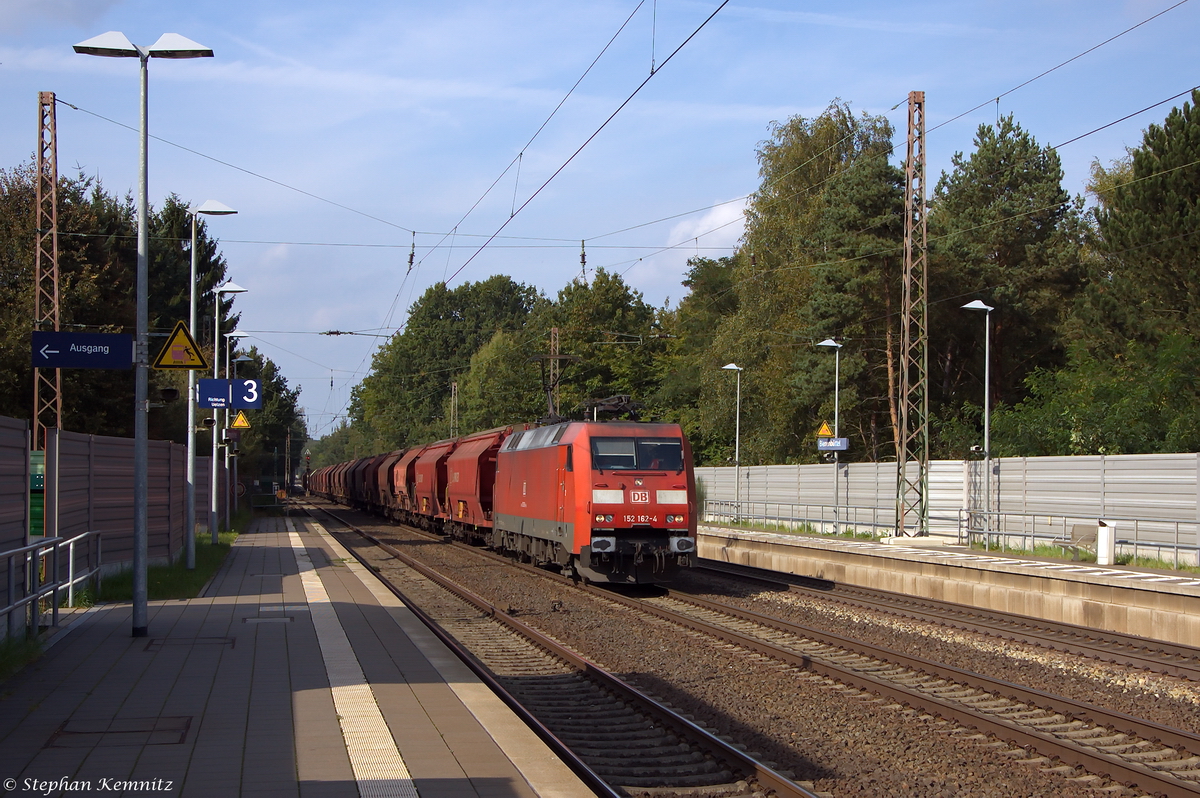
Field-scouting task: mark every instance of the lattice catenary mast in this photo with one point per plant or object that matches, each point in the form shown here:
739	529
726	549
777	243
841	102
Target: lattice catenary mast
47	383
912	458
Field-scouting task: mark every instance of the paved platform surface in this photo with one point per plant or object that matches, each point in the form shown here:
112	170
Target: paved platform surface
295	674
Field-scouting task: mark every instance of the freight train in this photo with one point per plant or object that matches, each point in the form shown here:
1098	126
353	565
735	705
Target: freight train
610	501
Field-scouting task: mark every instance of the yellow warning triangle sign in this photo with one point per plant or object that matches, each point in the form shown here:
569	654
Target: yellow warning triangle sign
241	422
824	431
180	352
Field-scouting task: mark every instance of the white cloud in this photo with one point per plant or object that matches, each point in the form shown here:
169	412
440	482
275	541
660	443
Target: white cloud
721	226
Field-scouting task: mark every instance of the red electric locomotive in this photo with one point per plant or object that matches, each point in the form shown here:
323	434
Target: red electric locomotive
607	501
613	502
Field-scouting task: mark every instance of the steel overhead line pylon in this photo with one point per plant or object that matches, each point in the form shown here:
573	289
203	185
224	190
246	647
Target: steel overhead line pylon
47	383
912	457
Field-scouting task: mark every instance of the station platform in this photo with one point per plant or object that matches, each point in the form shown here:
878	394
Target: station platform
1164	605
295	674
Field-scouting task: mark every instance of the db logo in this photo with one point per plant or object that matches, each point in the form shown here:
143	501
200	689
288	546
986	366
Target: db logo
639	496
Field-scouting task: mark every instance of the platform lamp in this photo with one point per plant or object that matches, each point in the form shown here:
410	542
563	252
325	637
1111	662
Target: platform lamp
987	412
737	442
208	208
116	45
837	376
214	508
230	373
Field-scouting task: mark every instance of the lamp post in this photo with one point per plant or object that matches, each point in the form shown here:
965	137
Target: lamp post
214	508
837	368
116	45
737	441
209	208
987	412
230	372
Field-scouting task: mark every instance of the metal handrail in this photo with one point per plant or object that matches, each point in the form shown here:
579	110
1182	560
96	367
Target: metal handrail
32	556
992	526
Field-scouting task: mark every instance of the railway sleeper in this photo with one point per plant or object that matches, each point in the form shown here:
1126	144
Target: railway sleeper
594	735
667	762
1177	765
667	752
569	715
723	777
585	725
1152	758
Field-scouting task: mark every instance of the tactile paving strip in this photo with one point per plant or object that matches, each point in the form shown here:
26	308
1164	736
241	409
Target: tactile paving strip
378	767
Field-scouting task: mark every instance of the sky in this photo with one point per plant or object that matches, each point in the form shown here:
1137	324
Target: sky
345	133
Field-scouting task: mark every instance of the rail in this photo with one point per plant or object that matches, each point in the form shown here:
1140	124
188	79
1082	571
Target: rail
1180	539
33	560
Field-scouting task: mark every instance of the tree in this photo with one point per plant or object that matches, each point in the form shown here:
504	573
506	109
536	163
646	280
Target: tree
1148	231
612	331
1002	229
1129	385
403	400
263	446
819	259
691	329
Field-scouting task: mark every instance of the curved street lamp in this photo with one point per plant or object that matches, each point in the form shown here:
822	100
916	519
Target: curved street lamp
115	44
208	208
987	411
737	441
837	368
227	288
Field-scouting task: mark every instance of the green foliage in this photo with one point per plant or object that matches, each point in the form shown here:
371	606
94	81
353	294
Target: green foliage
614	334
1092	332
1130	384
1004	230
166	582
820	260
263	447
403	400
16	653
97	245
1145	399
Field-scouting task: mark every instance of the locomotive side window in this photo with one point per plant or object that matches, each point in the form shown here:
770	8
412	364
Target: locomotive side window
643	454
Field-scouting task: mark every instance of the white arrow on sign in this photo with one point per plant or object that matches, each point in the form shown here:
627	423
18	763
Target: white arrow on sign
44	349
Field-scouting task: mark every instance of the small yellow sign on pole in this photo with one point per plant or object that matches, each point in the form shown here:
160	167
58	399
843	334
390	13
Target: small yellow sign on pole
180	352
824	431
241	422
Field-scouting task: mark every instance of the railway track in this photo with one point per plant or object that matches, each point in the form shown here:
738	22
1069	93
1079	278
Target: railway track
1157	759
1154	656
622	738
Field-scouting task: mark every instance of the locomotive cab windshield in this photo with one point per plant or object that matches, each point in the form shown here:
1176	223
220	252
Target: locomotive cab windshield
637	454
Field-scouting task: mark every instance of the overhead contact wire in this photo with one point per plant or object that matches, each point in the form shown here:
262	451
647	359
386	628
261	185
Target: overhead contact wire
603	125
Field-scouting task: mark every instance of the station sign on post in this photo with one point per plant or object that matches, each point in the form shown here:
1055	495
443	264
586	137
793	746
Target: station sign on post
236	394
68	350
246	394
827	443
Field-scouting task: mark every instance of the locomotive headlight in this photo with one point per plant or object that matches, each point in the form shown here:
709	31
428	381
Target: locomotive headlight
603	519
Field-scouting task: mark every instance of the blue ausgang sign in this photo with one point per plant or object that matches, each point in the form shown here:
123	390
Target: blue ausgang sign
67	350
212	393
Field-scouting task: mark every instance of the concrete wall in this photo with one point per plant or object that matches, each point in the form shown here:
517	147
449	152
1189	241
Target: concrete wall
1156	610
14	510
